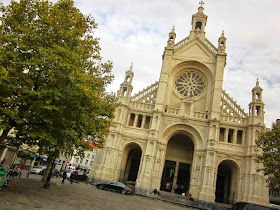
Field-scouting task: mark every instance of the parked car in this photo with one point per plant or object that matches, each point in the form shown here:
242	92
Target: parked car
253	206
42	172
35	170
115	186
70	171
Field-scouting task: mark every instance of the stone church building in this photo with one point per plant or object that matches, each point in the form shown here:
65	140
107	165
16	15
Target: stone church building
185	129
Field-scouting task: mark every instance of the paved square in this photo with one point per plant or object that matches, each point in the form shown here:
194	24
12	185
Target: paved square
29	193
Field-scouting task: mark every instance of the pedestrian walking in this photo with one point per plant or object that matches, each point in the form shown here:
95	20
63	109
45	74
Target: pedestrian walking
16	172
19	173
71	178
64	176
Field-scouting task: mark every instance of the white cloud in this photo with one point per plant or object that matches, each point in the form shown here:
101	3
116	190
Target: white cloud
137	31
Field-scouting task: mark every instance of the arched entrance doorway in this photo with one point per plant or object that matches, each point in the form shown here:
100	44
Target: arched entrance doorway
131	162
178	162
227	182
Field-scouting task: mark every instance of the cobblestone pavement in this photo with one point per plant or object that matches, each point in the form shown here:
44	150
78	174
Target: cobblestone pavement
24	193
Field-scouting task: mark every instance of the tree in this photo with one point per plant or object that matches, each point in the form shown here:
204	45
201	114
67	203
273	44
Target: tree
52	78
269	142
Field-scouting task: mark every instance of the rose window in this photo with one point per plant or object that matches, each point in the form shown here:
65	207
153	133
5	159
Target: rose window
190	84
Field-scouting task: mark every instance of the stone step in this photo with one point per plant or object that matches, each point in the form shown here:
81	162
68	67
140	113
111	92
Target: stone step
184	201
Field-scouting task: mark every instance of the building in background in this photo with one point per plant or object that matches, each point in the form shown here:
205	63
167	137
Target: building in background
185	129
85	164
7	157
23	157
74	162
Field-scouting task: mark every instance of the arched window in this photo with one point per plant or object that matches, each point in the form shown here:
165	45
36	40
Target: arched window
198	24
124	91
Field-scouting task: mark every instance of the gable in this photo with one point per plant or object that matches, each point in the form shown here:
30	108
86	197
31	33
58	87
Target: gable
195	48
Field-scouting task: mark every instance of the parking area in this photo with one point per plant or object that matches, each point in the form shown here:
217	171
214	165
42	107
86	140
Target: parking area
28	193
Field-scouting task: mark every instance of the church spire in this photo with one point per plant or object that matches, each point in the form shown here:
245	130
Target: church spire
129	75
199	22
131	67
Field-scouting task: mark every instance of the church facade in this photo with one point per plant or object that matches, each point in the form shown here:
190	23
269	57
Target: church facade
185	130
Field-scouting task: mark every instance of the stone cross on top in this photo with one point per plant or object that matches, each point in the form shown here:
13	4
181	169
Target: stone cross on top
201	3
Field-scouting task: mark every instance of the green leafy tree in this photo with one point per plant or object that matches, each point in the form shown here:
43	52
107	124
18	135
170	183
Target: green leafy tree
269	142
52	78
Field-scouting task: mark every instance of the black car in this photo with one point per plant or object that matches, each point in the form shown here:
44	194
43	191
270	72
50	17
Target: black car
253	206
115	186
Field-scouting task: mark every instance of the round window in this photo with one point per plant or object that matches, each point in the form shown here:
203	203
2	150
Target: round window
190	84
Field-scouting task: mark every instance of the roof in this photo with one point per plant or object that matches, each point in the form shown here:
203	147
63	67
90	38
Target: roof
93	146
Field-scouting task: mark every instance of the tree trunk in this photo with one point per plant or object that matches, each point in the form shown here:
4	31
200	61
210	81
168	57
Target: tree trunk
47	171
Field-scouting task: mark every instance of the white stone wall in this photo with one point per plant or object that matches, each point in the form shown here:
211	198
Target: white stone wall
222	133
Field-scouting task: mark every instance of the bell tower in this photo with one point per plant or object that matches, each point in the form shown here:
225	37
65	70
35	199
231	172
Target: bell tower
126	87
222	43
199	22
256	107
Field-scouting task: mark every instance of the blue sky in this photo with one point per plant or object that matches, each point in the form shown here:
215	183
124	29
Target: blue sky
137	31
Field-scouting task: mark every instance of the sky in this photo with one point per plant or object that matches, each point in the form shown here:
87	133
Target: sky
136	31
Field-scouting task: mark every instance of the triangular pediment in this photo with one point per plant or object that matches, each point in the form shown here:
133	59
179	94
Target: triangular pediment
195	48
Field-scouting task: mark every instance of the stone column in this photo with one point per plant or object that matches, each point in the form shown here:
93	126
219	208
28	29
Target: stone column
143	121
207	192
128	118
135	120
226	135
243	137
121	116
145	172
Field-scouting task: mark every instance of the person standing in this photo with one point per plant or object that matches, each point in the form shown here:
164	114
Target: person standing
64	176
168	187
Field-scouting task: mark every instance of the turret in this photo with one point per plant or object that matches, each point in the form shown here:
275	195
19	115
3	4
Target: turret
222	43
256	107
126	87
198	23
171	38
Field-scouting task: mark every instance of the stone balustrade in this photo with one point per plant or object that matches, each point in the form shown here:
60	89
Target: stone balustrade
211	46
202	115
173	111
140	105
182	42
233	119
